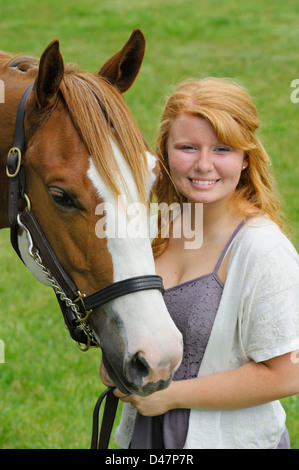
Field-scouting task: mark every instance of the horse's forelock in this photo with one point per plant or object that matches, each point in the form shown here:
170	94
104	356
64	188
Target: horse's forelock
100	114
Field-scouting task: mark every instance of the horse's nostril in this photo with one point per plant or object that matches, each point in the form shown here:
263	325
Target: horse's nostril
137	368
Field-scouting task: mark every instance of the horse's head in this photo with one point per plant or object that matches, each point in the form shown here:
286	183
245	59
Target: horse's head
83	151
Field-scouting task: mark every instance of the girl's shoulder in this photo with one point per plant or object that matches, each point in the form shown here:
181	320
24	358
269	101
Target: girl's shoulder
263	263
262	247
263	236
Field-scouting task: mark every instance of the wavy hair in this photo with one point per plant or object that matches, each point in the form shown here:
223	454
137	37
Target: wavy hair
231	112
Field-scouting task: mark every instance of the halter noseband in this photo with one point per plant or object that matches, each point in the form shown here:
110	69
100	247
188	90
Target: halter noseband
75	306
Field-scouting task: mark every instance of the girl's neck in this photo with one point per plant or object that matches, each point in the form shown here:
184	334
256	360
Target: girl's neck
216	217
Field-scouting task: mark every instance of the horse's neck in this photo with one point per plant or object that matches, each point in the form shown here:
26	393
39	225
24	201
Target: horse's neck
8	110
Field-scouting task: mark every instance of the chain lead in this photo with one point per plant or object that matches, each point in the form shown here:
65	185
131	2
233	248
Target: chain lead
69	303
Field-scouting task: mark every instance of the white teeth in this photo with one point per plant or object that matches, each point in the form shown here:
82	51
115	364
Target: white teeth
204	183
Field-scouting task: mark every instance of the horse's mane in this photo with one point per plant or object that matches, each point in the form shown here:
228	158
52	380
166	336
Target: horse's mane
99	114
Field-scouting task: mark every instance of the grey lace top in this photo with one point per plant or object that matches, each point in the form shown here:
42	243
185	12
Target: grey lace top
193	306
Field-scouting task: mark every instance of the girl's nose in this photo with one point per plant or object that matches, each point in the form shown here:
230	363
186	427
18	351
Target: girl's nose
204	161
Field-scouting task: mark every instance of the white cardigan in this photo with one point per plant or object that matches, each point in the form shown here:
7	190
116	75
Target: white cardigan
259	318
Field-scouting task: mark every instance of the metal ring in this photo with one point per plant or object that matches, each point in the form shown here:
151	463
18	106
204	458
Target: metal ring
86	348
27	202
15	149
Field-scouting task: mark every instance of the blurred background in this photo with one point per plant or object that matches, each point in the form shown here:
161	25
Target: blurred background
48	388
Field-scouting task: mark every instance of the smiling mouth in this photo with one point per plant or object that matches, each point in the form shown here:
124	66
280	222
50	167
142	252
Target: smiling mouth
203	182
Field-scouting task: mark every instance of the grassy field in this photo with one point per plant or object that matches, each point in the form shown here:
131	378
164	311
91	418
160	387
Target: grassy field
47	387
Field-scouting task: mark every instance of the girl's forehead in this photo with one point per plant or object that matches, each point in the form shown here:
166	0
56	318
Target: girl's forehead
192	126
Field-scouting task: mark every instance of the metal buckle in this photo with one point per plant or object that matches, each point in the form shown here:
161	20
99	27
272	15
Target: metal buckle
18	151
87	313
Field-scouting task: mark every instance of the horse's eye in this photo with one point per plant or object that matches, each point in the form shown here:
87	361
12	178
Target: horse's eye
61	197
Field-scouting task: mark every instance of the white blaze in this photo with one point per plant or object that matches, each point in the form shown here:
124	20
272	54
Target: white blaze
131	256
143	312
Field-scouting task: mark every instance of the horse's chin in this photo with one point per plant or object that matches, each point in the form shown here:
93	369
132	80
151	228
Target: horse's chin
130	388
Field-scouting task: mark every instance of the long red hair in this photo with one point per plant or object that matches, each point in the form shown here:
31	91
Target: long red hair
230	110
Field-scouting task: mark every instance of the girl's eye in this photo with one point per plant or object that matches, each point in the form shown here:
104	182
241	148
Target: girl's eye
221	149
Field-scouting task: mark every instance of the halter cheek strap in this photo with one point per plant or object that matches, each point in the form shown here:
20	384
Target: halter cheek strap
15	172
75	306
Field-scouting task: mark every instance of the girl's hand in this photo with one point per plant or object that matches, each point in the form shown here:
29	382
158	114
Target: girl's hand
156	404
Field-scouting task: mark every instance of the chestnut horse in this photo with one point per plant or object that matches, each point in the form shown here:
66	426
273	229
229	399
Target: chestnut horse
82	150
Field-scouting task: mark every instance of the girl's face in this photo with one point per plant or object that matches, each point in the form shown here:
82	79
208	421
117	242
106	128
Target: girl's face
203	169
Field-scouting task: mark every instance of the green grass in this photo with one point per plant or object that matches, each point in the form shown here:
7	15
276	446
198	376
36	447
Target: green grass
47	387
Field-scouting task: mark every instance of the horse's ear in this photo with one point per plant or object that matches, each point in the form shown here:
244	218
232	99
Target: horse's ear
122	68
50	74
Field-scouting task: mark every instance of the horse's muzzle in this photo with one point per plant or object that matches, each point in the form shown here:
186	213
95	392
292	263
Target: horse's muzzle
144	373
143	369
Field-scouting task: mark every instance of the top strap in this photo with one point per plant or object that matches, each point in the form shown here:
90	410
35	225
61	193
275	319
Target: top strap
19	139
229	244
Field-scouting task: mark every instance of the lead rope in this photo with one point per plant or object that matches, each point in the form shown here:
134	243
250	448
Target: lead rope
107	422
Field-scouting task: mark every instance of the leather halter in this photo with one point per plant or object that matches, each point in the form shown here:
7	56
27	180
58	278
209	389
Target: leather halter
75	306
